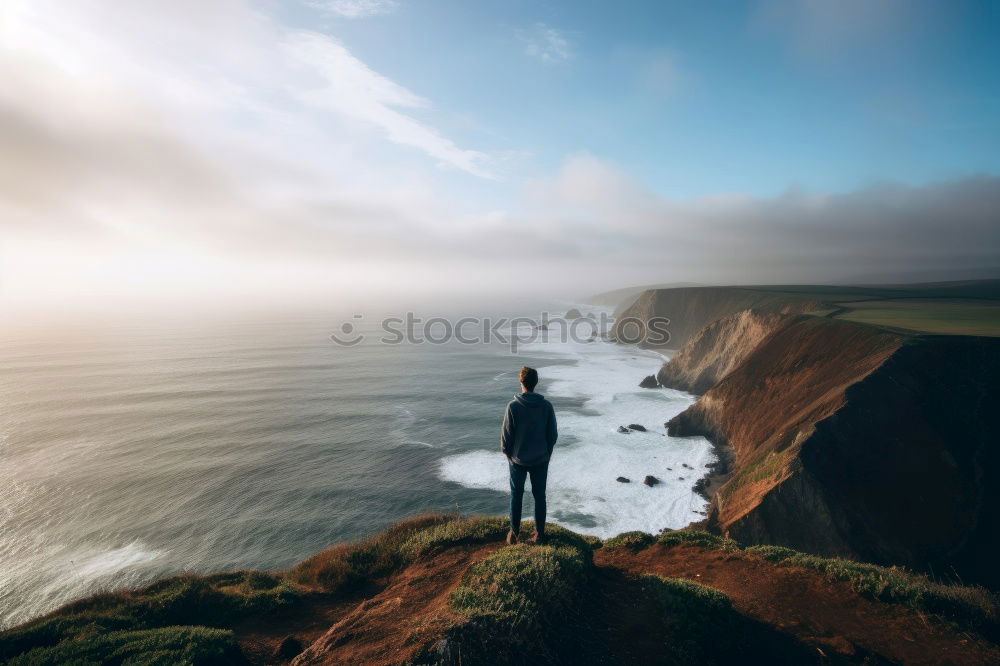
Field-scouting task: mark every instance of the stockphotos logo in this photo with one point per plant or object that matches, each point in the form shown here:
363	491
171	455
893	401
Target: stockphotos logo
512	332
349	334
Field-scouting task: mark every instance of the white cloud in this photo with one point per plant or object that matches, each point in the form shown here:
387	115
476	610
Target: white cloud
218	66
356	8
202	146
625	234
346	85
546	43
189	130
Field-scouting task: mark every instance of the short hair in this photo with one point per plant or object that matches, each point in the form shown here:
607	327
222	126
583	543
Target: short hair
529	377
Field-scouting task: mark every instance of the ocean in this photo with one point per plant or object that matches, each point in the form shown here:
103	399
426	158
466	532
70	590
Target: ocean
129	451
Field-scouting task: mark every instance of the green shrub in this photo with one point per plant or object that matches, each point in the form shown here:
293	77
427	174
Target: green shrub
217	601
557	535
167	646
348	567
697	538
968	604
634	541
698	623
518	600
453	533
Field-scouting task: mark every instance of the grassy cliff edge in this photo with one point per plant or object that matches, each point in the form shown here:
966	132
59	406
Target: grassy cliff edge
439	589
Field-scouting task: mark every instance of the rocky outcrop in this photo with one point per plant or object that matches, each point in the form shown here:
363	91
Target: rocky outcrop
649	381
573	313
651	480
288	649
850	440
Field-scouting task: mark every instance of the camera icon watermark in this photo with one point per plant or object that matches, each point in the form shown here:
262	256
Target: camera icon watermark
349	335
512	332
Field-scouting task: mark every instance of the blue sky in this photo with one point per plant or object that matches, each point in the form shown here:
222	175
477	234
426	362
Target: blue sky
700	98
234	150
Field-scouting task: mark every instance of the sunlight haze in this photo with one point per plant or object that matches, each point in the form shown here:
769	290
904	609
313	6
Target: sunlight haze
338	149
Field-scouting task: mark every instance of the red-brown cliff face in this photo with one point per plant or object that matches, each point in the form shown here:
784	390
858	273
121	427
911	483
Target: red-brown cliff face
718	349
851	440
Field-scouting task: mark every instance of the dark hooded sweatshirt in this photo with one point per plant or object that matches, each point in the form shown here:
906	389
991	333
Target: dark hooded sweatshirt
529	429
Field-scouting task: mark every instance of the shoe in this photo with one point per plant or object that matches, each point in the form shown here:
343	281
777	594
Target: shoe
538	538
511	538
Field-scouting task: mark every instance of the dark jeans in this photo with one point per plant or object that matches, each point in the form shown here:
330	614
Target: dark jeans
518	474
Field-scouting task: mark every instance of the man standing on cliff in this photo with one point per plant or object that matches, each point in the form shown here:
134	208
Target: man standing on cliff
527	438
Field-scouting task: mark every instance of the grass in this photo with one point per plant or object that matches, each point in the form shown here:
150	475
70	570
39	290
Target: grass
634	541
698	623
187	617
129	626
519	598
929	316
216	602
966	604
349	567
772	465
167	646
484	529
697	538
453	533
969	605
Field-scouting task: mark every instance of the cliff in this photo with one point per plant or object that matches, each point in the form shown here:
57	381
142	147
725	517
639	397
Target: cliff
441	590
962	308
690	309
624	297
716	350
850	440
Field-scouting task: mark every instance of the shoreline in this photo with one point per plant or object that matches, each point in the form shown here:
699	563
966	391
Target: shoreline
598	381
717	473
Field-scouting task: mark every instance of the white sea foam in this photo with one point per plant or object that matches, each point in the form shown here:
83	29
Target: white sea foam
112	562
53	574
583	491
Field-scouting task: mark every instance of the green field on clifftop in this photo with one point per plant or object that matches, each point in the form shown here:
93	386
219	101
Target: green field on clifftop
950	308
957	317
947	308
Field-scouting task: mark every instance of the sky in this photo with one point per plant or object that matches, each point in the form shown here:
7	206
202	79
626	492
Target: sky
351	150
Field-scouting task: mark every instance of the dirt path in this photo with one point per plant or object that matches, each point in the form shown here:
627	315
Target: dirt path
387	627
800	603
